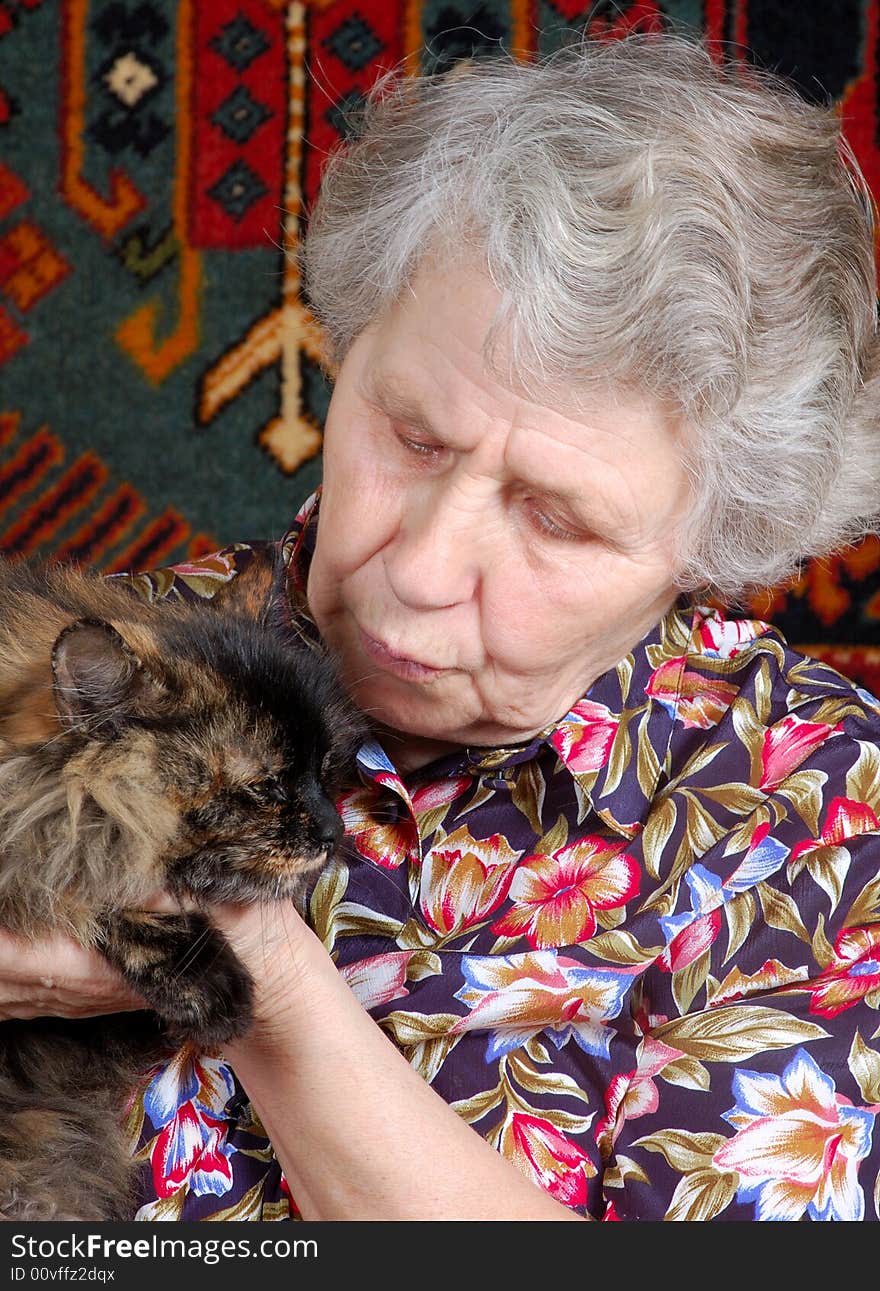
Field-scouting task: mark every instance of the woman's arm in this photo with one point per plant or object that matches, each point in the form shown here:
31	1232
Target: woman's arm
359	1133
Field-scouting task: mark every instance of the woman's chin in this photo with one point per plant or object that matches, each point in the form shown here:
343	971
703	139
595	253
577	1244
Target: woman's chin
415	718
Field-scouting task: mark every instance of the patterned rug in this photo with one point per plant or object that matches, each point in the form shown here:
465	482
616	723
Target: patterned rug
159	394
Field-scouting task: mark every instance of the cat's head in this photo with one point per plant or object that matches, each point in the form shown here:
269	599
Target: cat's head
222	735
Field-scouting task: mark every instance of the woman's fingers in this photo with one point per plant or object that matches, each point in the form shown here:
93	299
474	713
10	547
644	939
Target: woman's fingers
55	976
162	902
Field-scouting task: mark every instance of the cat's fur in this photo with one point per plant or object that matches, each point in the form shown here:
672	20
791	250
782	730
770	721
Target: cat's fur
191	747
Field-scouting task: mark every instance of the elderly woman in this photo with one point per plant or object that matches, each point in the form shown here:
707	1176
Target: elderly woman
604	939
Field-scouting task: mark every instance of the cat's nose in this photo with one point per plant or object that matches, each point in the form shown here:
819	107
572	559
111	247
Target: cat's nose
330	831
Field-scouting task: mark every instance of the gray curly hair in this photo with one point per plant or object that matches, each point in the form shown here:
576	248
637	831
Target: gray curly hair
655	222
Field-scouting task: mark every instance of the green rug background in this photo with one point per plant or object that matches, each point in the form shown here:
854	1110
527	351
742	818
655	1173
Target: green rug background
159	394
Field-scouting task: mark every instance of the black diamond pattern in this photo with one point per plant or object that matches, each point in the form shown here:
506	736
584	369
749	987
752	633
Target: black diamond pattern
114	23
240	42
461	33
354	43
237	190
118	128
346	115
140	124
240	114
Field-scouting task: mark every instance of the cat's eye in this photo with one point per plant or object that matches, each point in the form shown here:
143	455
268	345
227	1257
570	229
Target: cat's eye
270	790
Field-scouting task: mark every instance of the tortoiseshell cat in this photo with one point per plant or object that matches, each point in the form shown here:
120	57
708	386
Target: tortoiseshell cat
191	747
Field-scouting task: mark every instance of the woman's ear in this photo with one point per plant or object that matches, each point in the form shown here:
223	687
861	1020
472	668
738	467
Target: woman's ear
98	680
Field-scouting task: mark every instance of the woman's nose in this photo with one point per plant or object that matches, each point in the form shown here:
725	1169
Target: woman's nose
436	557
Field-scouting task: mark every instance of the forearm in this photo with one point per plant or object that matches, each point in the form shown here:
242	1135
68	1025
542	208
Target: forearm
359	1134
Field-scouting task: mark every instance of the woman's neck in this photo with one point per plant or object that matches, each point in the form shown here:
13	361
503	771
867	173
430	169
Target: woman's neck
412	752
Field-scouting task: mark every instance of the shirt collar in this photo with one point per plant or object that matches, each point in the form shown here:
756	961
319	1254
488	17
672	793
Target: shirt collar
614	742
298	544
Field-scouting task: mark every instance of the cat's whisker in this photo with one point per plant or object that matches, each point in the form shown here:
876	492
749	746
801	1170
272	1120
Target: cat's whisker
191	951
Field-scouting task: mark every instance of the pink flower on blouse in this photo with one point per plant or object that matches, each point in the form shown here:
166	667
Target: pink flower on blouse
464	879
844	820
853	973
191	1148
691	942
555	897
390	843
548	1157
690	698
787	744
724	638
798	1143
379	978
387	844
584	737
437	793
514	997
634	1093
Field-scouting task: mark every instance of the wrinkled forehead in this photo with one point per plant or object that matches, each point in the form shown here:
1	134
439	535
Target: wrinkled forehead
450	327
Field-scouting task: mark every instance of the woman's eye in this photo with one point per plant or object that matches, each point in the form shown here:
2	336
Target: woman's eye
552	529
418	447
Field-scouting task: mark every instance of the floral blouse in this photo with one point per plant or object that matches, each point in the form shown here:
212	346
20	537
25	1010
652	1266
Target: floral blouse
639	954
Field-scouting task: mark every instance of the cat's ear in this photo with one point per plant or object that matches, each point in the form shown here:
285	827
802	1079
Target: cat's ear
98	678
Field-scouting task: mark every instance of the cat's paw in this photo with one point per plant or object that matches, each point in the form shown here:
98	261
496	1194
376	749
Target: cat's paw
185	970
210	1010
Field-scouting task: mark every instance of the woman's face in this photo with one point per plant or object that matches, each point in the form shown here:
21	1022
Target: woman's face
482	558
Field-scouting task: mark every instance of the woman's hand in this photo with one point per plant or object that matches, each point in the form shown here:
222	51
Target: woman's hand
58	978
358	1132
278	950
54	976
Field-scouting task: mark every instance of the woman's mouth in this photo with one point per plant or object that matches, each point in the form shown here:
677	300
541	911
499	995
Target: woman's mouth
398	665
